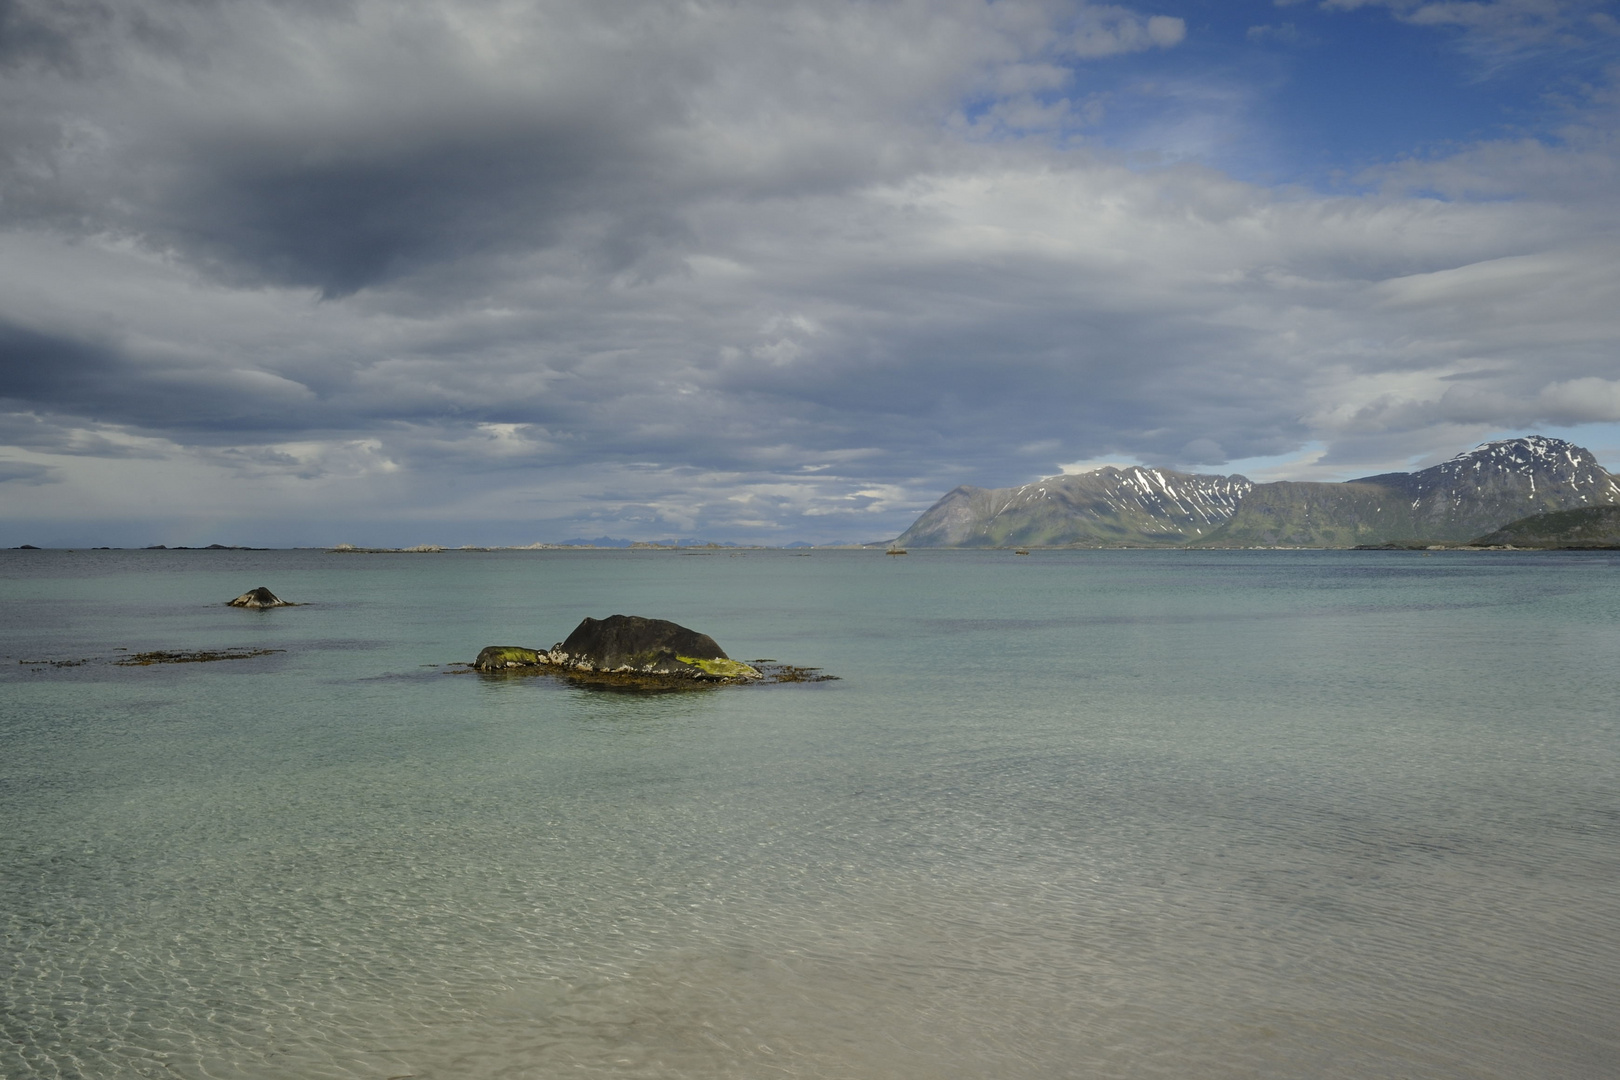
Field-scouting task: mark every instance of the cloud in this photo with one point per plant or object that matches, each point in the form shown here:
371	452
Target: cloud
1202	452
23	472
134	383
1109	31
346	147
1285	34
783	271
1504	29
1579	401
1572	401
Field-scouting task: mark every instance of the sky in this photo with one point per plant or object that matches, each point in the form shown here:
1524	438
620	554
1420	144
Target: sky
303	272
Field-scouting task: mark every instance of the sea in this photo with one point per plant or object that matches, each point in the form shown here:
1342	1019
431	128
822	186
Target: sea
1093	814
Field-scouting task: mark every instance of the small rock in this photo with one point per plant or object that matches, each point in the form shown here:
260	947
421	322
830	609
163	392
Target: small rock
259	598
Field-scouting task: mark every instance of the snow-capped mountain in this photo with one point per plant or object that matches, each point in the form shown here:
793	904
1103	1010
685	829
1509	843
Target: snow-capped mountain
1109	506
1458	500
1498	478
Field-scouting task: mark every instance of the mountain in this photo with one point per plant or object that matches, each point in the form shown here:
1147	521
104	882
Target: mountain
1457	500
1292	513
1471	494
1588	527
1110	507
1500	482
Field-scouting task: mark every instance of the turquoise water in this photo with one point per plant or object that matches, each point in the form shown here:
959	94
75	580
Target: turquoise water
1089	814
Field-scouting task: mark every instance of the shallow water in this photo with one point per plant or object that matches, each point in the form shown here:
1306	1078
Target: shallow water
1099	814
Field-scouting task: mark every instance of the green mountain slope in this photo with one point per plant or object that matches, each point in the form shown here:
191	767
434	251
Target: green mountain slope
1297	514
1587	527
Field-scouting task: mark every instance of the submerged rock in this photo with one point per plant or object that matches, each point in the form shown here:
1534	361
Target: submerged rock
506	657
631	644
259	598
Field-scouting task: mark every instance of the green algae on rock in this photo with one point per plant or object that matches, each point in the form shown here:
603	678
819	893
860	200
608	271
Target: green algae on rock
720	667
507	657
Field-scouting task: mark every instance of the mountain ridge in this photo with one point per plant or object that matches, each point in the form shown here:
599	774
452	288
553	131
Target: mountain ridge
1469	495
1161	507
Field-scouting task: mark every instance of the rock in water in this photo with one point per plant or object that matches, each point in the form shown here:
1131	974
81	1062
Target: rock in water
259	598
506	657
634	645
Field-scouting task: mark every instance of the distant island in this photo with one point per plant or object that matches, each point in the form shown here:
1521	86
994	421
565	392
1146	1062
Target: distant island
1459	501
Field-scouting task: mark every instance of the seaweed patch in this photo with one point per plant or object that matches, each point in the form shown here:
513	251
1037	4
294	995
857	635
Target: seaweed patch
791	673
196	656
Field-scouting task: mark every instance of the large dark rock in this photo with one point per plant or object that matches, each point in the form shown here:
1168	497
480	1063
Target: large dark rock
259	598
634	645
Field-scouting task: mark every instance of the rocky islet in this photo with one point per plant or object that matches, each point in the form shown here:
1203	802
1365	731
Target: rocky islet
626	645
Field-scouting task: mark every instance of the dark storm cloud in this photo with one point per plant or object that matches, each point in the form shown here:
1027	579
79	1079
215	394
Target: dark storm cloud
45	375
292	186
28	35
349	220
40	369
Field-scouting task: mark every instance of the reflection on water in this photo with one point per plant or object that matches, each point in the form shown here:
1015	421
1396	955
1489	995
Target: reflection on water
1102	814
